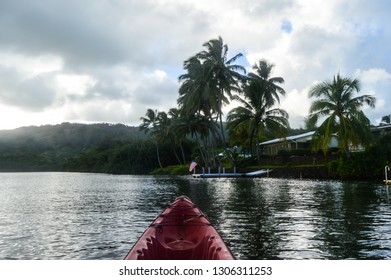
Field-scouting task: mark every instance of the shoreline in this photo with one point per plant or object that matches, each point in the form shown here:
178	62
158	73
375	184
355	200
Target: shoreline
316	172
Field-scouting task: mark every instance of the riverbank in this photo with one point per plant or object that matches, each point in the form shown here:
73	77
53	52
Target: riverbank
297	172
326	171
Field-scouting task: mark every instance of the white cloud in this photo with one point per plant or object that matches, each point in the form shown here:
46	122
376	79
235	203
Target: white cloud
30	66
31	94
13	117
297	104
373	76
99	111
376	82
74	84
119	58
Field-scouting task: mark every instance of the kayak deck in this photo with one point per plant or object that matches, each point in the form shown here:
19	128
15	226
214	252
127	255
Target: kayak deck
181	232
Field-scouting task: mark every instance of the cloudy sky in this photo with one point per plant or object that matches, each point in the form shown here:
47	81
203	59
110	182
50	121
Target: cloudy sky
109	61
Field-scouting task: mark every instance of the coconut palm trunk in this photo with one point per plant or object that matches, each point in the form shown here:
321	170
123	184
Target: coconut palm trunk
158	156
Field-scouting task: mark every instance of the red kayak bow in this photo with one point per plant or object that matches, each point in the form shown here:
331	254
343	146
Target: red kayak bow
181	232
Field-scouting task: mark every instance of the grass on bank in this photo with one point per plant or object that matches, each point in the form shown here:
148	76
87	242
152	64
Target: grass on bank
172	170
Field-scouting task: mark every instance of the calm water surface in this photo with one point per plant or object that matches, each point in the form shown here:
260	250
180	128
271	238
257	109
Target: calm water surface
97	216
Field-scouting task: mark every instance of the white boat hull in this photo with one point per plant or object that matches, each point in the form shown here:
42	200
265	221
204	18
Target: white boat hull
257	173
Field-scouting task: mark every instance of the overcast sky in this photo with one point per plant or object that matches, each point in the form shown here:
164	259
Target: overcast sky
109	61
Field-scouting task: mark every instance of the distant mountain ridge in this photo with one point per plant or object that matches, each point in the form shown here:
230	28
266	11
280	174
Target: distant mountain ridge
78	136
54	144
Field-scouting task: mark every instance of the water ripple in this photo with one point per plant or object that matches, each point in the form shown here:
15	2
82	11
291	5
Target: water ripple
97	216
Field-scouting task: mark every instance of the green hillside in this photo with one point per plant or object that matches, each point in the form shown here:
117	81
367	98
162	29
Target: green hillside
48	147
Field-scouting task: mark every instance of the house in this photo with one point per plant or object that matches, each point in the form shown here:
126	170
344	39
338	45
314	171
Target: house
303	141
381	128
295	142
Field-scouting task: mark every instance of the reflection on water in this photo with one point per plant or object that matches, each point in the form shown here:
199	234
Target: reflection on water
96	216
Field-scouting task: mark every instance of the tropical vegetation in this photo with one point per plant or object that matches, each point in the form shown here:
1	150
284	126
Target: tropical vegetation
257	111
164	128
108	148
342	112
212	80
195	130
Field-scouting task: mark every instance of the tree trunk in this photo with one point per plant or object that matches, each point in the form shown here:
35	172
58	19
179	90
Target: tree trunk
183	153
176	155
201	152
158	156
257	145
227	153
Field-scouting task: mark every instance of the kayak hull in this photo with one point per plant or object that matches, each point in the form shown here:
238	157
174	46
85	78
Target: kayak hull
181	232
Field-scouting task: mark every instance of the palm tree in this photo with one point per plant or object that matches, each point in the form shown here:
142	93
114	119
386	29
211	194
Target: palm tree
210	81
201	128
208	84
149	123
197	107
240	136
342	112
223	76
257	111
175	134
257	114
195	92
164	133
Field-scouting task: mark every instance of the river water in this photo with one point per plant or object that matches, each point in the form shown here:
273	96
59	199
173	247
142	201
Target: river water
77	216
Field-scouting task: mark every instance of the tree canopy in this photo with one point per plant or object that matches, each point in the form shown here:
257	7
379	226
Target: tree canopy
257	110
340	112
